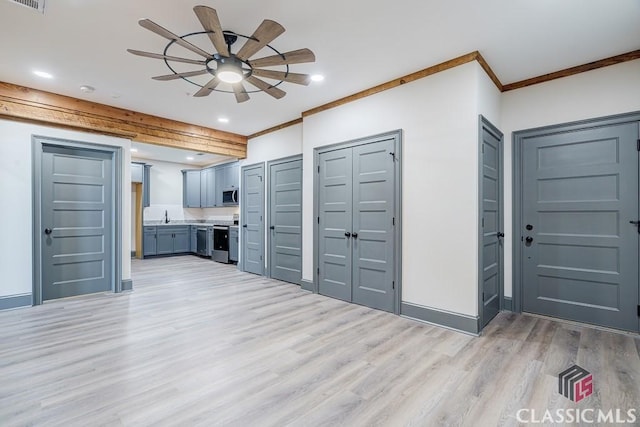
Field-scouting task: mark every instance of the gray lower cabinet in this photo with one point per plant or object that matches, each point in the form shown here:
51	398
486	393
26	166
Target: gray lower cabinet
149	244
170	240
193	239
233	244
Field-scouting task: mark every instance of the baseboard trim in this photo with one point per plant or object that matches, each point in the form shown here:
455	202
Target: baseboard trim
15	301
455	321
127	285
507	304
306	285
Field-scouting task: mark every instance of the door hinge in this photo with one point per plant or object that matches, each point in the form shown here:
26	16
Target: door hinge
318	271
638	145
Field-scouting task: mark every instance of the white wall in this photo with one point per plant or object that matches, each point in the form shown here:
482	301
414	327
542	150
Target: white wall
439	119
276	145
16	189
602	92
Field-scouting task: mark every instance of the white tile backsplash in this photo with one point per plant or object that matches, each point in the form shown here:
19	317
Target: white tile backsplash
178	213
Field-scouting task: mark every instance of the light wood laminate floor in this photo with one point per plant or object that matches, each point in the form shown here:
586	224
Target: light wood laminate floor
199	343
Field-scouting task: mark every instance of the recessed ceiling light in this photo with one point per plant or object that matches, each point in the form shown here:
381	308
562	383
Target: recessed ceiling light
317	77
223	120
87	89
133	150
189	158
43	74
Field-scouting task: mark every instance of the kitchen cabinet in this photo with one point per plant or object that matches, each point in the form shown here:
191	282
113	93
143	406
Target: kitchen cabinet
227	178
172	240
233	244
146	186
208	188
203	188
141	174
137	172
193	239
149	244
191	192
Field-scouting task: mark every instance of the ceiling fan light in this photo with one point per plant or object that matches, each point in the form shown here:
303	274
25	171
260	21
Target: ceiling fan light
229	73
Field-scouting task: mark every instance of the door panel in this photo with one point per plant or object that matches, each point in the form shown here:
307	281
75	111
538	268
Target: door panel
252	219
580	190
335	210
491	223
373	208
77	207
285	216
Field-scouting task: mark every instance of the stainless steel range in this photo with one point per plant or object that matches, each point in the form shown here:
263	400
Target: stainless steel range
220	243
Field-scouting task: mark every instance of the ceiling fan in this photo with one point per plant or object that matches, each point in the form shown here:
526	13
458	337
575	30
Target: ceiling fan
227	66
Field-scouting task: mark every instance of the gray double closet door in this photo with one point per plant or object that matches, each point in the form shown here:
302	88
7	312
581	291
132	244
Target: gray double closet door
580	247
356	235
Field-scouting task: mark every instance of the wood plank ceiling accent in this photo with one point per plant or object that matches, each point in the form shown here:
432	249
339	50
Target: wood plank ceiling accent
618	59
32	105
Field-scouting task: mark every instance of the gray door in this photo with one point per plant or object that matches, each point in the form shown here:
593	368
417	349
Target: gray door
491	273
252	201
77	208
372	230
356	238
580	253
335	200
285	218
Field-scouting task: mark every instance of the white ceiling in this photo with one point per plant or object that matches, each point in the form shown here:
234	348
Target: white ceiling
358	44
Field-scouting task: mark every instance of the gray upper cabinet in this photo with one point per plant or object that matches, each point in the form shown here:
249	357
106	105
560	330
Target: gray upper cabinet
191	188
146	185
141	174
137	172
208	188
220	171
203	188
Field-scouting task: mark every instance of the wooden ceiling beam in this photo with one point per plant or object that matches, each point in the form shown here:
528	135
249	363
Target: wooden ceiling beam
32	105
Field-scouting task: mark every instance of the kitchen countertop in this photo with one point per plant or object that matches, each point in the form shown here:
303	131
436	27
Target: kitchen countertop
186	222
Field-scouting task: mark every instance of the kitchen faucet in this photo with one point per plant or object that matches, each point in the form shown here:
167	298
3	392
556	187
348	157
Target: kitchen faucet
166	217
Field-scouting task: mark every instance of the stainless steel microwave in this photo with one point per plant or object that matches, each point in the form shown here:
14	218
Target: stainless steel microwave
230	197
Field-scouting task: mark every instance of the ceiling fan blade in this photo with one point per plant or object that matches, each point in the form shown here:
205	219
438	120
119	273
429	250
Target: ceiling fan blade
266	87
300	79
294	57
209	19
161	31
208	88
239	91
180	75
168	58
264	34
